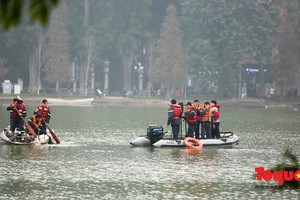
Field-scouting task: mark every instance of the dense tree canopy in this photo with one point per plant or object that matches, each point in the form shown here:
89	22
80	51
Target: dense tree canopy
208	44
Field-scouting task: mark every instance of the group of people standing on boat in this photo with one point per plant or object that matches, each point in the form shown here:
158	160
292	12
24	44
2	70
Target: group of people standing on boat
38	121
205	118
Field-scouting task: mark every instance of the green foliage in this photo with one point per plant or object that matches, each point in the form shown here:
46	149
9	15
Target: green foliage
11	11
56	54
168	69
291	163
231	30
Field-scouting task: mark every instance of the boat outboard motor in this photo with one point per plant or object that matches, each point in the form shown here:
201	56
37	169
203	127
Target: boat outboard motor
155	133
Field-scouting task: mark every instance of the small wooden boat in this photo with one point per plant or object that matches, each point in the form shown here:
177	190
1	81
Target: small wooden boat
22	138
155	137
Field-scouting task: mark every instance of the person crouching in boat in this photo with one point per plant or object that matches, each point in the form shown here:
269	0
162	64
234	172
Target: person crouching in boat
190	118
35	122
174	112
44	111
17	110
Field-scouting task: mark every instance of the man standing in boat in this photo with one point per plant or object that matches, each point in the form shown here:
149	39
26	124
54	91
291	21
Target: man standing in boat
174	113
206	121
196	106
190	118
44	111
216	119
17	109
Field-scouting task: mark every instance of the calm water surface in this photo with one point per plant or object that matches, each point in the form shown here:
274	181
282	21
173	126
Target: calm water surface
95	160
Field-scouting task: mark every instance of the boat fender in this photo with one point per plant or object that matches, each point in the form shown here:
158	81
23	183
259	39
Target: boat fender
188	140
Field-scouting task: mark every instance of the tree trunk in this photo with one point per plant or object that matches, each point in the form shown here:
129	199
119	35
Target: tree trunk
32	75
127	61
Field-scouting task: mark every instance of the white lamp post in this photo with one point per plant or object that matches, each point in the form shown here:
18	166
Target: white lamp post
140	70
106	72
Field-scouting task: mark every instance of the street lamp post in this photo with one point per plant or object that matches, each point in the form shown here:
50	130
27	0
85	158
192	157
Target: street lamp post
92	84
140	70
106	72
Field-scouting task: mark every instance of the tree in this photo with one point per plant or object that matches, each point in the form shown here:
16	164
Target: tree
35	62
230	30
57	65
11	11
168	69
286	55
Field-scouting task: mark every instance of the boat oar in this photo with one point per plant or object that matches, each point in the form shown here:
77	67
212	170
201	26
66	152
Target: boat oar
29	128
52	133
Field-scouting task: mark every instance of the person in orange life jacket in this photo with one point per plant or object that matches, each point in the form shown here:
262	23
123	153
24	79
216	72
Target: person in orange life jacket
15	117
174	113
216	119
190	118
35	122
196	106
44	110
206	121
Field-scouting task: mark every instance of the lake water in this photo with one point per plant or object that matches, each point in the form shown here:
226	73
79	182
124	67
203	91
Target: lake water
96	161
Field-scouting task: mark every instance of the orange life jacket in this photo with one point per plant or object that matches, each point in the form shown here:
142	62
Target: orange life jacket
177	111
196	106
207	116
20	109
43	110
191	119
34	121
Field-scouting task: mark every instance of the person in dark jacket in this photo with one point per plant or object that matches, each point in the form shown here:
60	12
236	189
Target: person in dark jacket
190	118
44	111
17	110
174	119
35	122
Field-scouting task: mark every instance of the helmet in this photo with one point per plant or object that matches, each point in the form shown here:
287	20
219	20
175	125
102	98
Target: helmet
44	101
214	109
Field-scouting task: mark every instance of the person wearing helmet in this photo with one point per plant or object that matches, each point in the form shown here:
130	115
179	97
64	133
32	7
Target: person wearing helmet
216	119
17	110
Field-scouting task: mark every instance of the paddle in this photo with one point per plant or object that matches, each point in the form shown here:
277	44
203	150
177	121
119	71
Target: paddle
29	128
182	107
52	133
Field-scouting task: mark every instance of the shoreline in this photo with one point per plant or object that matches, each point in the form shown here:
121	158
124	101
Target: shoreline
121	101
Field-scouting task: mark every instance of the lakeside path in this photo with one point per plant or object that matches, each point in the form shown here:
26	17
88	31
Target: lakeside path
121	101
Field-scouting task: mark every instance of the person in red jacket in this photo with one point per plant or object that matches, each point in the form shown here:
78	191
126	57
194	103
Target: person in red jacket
17	110
174	118
43	110
216	119
190	118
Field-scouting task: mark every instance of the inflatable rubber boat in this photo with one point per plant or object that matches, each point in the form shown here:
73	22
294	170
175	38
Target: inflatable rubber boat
156	137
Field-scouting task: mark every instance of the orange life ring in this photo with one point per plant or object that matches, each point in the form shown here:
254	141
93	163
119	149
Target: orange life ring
188	140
